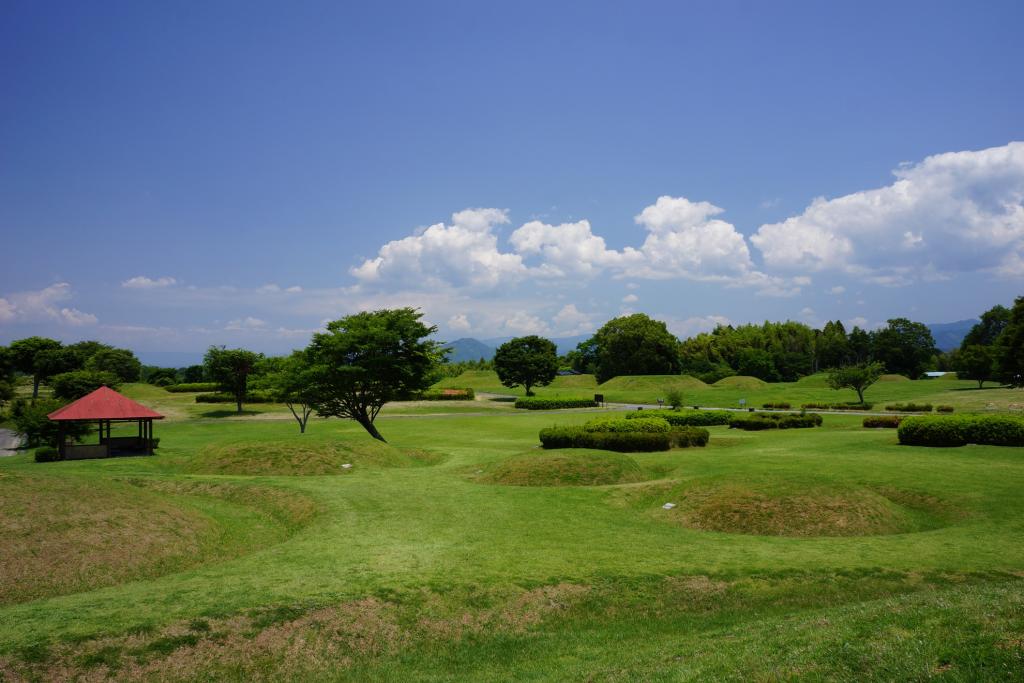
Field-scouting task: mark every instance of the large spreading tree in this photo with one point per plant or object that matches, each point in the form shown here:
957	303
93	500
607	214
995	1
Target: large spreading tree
635	345
528	361
365	360
1010	347
230	369
976	362
905	347
24	353
290	380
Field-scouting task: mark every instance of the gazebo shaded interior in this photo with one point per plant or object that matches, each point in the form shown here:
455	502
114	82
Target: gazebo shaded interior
104	407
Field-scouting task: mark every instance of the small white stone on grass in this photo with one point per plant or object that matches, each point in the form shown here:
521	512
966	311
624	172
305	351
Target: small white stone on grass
668	506
347	466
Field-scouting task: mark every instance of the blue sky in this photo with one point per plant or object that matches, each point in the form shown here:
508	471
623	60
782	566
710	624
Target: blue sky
174	175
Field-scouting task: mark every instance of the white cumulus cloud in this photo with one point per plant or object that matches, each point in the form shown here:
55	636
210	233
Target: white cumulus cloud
43	305
953	212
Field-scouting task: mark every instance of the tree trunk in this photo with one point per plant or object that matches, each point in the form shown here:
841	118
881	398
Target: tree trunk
860	395
528	392
371	430
35	387
981	384
238	403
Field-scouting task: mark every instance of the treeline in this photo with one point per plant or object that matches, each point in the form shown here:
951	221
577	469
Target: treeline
786	351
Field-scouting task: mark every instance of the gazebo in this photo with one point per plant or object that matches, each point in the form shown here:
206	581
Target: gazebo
104	407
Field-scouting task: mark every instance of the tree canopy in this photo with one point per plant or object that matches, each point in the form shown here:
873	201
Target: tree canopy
23	354
856	377
365	360
528	361
230	368
904	347
635	345
120	362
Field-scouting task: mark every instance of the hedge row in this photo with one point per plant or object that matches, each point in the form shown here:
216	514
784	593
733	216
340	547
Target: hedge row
685	418
883	421
651	425
445	395
944	409
251	397
910	407
192	386
837	406
623	442
534	403
960	430
776	406
758	421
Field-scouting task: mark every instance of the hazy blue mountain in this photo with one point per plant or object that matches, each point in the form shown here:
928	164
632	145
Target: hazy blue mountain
564	344
468	349
949	335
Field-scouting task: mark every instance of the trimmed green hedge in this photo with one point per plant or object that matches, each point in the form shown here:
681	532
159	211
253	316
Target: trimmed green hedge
189	387
759	421
445	395
910	407
776	406
837	406
685	418
944	409
620	424
47	454
536	403
883	421
623	442
960	430
251	397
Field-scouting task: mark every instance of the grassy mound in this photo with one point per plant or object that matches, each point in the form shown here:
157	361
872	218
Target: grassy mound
656	383
302	458
893	378
801	511
741	382
583	382
68	534
818	379
566	469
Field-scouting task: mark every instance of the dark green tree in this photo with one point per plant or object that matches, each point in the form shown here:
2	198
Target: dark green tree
365	360
192	374
23	355
859	343
987	331
120	362
832	346
976	362
291	381
583	358
756	363
856	377
230	368
904	347
528	361
635	345
1010	347
69	386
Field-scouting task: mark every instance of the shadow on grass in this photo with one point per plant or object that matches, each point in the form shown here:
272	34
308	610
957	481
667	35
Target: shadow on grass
228	413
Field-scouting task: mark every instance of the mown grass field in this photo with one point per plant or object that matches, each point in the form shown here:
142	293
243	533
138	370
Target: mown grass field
461	551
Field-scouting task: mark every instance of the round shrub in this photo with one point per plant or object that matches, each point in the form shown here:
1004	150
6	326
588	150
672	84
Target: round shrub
910	407
776	406
47	454
944	409
924	431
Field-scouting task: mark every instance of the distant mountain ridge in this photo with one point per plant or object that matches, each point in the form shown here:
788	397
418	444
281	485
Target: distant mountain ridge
948	336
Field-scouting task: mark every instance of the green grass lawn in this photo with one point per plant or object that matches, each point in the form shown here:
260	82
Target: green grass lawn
461	551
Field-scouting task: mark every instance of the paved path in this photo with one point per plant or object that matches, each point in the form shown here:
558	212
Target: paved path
8	442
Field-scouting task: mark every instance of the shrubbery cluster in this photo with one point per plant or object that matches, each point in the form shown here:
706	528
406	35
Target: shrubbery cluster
445	395
883	421
944	409
623	442
189	387
251	397
837	406
535	403
910	407
960	430
685	418
759	421
647	424
776	406
47	454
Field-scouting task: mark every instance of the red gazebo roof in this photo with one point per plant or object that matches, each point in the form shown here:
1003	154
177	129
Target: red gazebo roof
104	404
